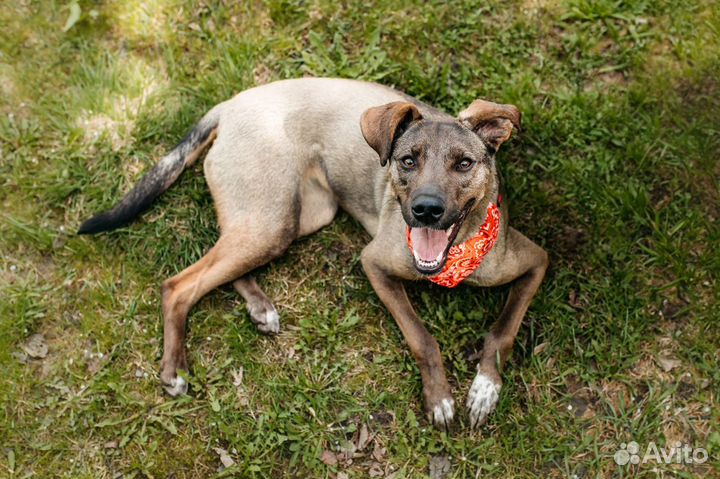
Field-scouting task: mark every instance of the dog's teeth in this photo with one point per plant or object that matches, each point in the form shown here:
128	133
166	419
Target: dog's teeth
427	264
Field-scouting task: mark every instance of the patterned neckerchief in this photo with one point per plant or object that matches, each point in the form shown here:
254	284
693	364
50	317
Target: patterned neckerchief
464	258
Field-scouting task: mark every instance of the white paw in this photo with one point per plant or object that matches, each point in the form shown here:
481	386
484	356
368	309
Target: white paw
442	414
482	398
177	386
266	320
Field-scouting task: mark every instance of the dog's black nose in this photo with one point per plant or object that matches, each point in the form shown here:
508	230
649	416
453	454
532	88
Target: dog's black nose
427	209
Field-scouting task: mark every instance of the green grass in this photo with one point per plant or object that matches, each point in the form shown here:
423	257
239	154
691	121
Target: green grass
615	173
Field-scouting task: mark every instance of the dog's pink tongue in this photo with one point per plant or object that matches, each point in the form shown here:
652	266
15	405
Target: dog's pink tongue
428	243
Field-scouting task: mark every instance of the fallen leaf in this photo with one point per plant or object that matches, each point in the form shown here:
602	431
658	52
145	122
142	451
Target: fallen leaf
329	458
669	310
668	364
578	406
238	376
574	300
225	458
347	452
342	475
36	347
348	448
379	452
363	438
94	365
475	356
376	470
439	467
539	348
11	459
73	17
382	417
572	239
111	444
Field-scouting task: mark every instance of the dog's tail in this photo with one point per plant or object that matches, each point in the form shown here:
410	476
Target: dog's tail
158	179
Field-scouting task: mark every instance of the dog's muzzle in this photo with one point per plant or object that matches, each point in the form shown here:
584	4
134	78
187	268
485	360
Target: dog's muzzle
430	246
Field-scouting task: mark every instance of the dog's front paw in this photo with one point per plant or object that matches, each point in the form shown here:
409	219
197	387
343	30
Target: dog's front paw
172	382
265	317
482	398
441	413
176	386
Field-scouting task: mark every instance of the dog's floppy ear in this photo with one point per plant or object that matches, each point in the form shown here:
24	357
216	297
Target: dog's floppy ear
381	125
491	121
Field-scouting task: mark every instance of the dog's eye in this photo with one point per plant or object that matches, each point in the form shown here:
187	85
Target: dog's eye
408	162
464	165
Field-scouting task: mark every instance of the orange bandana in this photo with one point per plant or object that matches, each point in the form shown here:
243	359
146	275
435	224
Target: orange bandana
463	259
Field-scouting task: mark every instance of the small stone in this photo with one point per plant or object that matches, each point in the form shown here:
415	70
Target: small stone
439	467
20	356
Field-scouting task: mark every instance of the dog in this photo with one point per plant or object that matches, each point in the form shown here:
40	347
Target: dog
283	157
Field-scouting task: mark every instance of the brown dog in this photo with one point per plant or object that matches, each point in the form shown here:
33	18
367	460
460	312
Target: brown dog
285	156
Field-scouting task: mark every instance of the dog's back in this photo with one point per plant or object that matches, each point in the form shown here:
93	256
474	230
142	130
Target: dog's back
287	127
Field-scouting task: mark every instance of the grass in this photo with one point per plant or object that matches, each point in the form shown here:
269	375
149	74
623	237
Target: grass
615	173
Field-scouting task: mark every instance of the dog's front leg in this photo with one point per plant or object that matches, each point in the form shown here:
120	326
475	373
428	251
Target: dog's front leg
524	264
439	404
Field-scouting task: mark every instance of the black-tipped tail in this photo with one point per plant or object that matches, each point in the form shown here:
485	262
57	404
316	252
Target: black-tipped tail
156	181
135	202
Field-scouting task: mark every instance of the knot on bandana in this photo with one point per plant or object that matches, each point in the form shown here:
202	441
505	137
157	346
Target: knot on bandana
464	258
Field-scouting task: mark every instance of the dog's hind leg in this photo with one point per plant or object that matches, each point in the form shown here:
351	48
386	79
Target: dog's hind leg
262	312
238	251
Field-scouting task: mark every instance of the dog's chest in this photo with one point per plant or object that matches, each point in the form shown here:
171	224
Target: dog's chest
488	271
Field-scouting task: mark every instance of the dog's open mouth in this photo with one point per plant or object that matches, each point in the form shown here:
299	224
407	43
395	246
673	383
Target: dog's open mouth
430	247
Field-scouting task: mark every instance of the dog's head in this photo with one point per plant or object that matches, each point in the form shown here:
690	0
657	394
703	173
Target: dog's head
438	169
